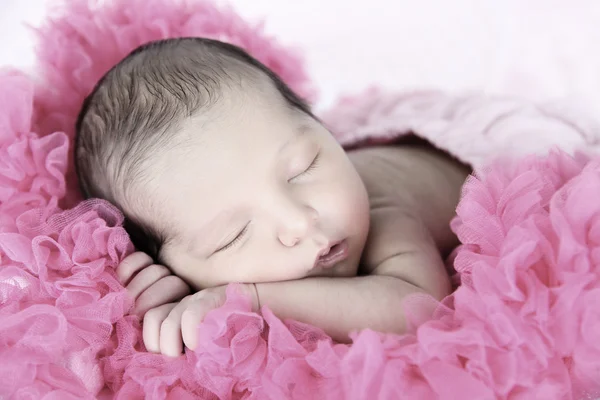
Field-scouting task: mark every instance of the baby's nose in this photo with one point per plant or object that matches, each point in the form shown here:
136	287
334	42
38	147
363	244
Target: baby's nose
297	226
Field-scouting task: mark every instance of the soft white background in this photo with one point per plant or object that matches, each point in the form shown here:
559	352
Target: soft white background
541	49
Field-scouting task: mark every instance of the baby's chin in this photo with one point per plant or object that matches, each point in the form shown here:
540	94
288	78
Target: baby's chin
343	270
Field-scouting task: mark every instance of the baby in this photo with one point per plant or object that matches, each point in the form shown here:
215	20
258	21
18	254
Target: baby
225	176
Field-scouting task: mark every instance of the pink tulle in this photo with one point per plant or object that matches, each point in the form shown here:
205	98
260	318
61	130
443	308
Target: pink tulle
524	324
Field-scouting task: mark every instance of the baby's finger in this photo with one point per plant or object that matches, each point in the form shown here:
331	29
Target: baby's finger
151	326
170	330
168	289
146	278
191	318
131	265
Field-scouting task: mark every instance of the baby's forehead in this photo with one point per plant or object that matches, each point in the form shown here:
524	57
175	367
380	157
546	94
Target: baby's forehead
258	118
226	152
235	136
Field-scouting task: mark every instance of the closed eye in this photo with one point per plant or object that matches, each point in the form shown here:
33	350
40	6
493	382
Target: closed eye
235	241
313	165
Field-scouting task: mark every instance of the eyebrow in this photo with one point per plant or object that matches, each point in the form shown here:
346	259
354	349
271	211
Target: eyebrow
300	131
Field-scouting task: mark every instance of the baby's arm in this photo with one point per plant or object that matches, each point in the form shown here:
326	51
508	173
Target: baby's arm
341	305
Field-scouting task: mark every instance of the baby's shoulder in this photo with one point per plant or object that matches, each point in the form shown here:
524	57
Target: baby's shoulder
385	171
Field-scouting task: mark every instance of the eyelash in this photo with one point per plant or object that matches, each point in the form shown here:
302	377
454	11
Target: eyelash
235	241
313	165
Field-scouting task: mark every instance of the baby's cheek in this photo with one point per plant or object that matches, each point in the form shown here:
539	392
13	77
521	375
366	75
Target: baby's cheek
203	275
275	269
355	208
264	264
356	216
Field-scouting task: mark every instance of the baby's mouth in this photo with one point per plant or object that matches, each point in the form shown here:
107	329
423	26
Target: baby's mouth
333	254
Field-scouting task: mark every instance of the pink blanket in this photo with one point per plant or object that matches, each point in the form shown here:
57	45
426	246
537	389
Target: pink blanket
523	324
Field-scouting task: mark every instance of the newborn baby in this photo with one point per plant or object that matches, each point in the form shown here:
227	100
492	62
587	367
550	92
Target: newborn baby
225	176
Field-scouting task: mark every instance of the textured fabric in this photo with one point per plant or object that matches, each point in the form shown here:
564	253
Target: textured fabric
474	128
524	323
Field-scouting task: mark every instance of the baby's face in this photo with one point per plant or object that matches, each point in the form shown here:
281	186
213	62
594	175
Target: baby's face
257	195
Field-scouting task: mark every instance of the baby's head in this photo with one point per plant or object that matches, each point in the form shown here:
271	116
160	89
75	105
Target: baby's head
222	172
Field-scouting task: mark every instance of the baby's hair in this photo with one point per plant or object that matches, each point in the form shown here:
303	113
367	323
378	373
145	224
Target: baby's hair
137	107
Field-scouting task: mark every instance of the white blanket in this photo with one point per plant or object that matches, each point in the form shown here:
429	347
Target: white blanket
539	49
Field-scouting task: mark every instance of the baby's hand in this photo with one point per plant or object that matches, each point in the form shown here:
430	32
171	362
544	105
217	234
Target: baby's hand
168	327
151	285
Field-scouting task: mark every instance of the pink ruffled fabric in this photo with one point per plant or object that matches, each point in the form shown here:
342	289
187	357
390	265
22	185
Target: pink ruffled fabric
59	295
524	324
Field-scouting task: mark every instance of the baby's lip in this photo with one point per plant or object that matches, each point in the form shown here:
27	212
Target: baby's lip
331	254
325	249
